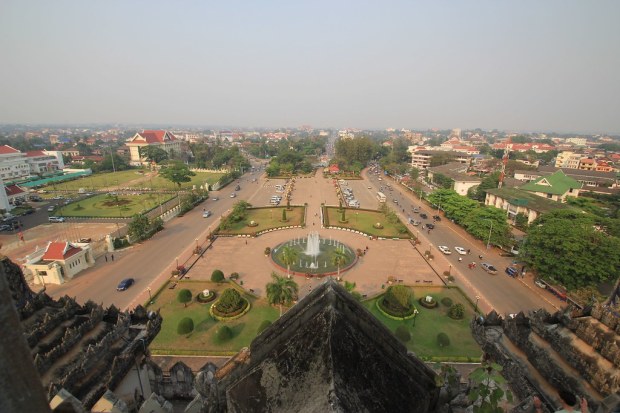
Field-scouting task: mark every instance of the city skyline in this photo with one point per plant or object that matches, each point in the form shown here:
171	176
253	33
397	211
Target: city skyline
523	67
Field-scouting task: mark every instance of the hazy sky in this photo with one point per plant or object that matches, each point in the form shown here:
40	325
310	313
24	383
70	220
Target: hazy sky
518	65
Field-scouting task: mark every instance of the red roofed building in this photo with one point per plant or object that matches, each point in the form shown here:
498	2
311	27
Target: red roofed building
59	262
161	138
41	162
333	169
13	164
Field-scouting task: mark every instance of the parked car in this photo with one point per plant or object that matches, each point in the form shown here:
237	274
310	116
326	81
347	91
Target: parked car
540	284
215	198
512	271
56	219
51	208
430	226
460	250
237	188
416	210
233	195
436	217
423	216
206	214
57	197
125	284
5	227
444	249
489	268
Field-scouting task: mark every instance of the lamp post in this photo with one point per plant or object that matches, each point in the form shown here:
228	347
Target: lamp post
415	315
490	230
449	270
150	297
177	262
476	306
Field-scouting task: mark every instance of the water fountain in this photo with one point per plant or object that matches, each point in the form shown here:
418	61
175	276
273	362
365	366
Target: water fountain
311	252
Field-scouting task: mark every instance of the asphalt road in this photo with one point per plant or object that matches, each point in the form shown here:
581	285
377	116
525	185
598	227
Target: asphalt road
506	294
154	258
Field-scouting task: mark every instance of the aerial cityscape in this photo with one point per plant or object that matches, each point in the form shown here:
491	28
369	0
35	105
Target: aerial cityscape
320	207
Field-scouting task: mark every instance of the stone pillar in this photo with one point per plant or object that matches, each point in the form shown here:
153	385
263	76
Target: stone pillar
109	243
20	385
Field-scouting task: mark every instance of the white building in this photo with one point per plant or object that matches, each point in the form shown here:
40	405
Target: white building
161	138
58	262
13	164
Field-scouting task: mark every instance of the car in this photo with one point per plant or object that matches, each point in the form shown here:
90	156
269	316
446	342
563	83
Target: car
125	284
444	249
395	201
56	219
253	179
423	216
28	211
512	271
51	208
489	268
237	188
540	284
380	179
206	214
460	250
67	202
416	210
215	198
36	198
415	223
85	240
436	218
57	197
233	195
369	187
430	226
5	227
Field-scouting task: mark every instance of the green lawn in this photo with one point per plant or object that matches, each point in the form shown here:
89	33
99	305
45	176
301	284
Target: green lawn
363	220
269	217
107	206
430	322
125	178
103	180
199	179
202	340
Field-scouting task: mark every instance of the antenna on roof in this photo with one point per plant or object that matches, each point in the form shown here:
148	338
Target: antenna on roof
502	174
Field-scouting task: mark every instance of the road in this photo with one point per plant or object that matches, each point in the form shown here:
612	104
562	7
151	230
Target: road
505	294
150	262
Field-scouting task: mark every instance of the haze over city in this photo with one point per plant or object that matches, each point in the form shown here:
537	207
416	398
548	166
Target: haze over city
522	66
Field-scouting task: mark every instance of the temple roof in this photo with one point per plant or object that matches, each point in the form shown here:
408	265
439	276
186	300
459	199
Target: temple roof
329	354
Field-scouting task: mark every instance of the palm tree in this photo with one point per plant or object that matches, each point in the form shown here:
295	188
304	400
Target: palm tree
288	256
338	258
281	291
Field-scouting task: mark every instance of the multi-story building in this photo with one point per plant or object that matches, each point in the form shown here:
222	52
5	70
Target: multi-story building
577	141
42	162
160	138
421	159
568	159
13	164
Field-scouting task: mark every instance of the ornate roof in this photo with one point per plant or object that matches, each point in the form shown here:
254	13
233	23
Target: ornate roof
326	354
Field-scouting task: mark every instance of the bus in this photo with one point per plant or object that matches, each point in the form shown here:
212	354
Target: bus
381	197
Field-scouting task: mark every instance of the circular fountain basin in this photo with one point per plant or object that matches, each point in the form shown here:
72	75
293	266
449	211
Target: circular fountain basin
314	256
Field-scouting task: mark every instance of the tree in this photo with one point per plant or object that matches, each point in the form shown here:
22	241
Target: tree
224	333
479	192
457	311
153	154
139	226
217	276
283	215
486	391
282	291
338	259
184	296
571	247
185	326
230	301
177	173
489	224
289	256
443	340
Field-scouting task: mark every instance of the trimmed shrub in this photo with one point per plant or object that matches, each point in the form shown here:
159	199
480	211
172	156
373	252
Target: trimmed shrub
457	311
224	333
234	276
267	251
397	301
185	326
184	296
447	301
217	276
402	333
230	301
263	326
443	340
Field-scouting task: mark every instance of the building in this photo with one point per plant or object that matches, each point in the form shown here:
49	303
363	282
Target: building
517	201
58	262
421	158
577	141
160	138
457	172
44	162
587	178
13	164
556	187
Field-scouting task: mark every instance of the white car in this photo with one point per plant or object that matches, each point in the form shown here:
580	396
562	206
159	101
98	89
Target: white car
540	284
444	249
206	214
460	250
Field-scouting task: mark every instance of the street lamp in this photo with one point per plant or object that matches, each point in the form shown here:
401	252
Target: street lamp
196	242
415	315
449	269
150	297
476	306
490	229
177	262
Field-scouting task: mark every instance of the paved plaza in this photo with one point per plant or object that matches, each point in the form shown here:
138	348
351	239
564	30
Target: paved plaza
397	258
